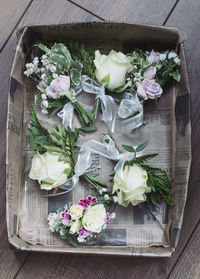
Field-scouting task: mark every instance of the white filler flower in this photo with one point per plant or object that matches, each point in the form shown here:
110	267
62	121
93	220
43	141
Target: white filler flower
115	65
131	185
48	170
94	218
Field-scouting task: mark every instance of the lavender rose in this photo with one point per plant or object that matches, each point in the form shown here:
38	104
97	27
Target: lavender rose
58	87
149	89
153	57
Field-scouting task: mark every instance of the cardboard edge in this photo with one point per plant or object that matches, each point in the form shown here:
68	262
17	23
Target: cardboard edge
181	34
20	33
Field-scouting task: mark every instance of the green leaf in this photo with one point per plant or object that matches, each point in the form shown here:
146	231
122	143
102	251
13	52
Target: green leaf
175	75
105	79
72	241
60	59
141	146
58	226
75	77
37	97
88	129
65	52
43	47
128	148
76	65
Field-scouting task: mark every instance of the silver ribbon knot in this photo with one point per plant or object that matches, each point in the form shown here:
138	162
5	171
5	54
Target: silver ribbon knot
108	106
67	112
131	112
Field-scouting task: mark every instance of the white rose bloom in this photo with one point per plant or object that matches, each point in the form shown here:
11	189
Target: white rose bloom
48	170
116	64
131	185
76	211
75	226
94	218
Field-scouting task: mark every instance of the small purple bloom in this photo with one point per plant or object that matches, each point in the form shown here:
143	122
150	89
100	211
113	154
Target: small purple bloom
62	214
83	203
66	219
153	57
107	217
94	200
83	232
89	199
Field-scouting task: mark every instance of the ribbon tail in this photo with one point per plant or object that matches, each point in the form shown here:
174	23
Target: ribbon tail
66	114
109	111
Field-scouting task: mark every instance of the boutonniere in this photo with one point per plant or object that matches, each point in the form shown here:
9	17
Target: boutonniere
57	164
133	180
80	222
58	78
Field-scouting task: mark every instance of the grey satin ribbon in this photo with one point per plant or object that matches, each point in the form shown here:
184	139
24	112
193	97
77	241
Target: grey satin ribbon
131	112
106	149
108	106
67	112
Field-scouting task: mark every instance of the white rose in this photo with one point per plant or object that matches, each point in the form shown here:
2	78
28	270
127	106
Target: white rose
94	218
75	226
131	185
48	170
116	65
76	211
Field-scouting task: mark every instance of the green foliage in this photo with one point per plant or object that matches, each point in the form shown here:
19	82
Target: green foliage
158	179
61	141
160	185
85	57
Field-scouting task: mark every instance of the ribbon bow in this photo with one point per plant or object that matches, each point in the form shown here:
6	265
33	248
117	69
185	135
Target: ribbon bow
108	106
130	106
108	150
67	113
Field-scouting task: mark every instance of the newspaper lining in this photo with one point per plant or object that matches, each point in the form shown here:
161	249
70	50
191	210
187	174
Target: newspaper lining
140	226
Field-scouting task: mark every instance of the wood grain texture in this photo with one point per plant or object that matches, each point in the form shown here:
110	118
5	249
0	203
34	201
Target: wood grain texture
138	11
188	267
36	265
10	261
40	12
10	13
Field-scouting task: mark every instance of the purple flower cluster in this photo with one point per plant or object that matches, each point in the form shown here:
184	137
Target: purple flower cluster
66	218
83	232
87	201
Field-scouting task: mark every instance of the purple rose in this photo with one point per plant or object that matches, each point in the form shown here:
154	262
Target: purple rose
149	89
153	57
58	87
150	72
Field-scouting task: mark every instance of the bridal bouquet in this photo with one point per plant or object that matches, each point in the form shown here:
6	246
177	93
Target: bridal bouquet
121	83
